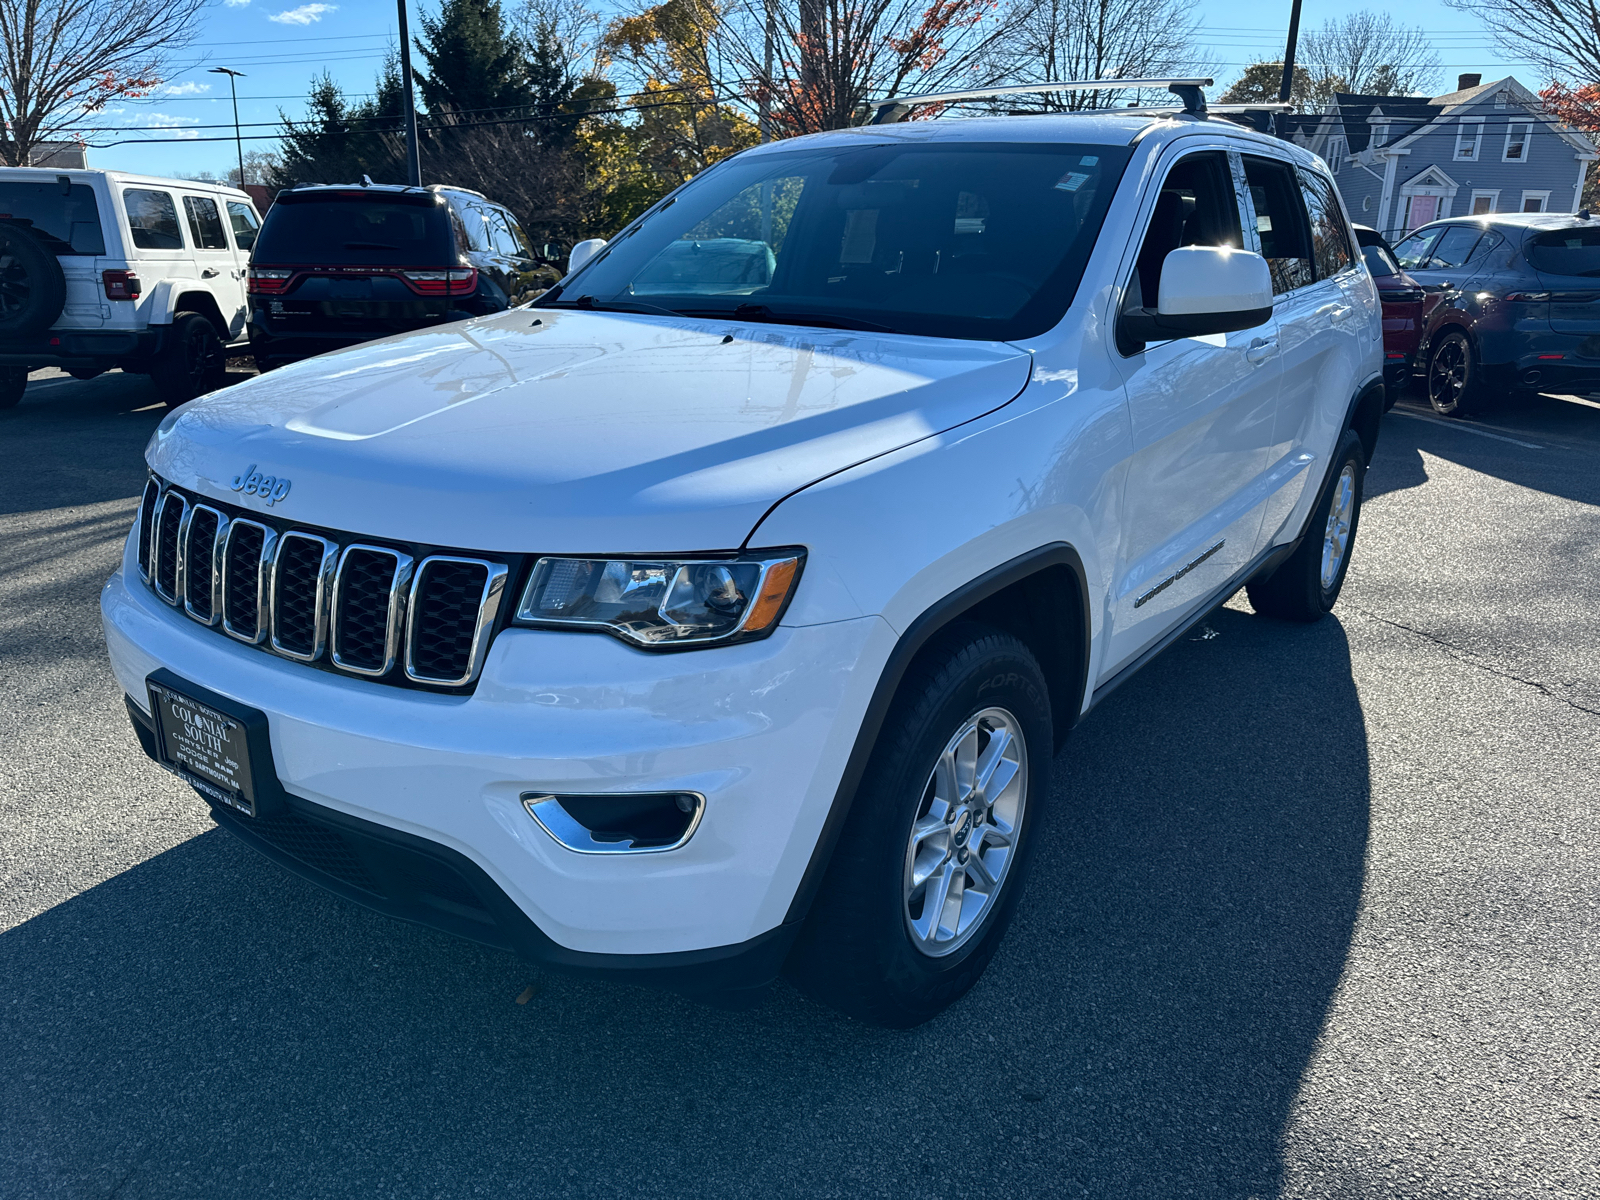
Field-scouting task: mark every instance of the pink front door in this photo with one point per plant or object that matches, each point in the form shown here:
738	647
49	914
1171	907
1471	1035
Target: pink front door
1423	209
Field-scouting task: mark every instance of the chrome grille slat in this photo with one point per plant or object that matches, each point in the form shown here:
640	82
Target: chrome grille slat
369	601
323	598
301	574
437	597
247	556
205	533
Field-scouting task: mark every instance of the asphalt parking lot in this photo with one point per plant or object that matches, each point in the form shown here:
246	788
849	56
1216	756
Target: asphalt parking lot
1317	915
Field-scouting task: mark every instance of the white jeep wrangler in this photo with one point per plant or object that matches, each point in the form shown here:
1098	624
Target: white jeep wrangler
722	613
102	269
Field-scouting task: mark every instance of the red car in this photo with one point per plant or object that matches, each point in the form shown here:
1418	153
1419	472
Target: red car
1405	306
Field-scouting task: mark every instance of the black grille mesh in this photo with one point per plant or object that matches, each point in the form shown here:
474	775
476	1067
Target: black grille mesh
315	845
240	598
147	514
447	599
294	599
168	524
361	638
198	557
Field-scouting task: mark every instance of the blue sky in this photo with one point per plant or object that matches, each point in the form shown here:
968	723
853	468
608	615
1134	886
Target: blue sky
281	44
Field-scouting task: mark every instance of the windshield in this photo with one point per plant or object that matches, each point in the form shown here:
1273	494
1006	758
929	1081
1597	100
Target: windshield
1378	261
965	240
356	232
1567	252
66	219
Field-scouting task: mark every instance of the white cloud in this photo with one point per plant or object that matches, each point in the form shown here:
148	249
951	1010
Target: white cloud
306	14
175	124
186	89
236	3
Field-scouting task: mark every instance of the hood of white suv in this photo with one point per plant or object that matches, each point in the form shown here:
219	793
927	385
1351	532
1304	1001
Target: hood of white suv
574	432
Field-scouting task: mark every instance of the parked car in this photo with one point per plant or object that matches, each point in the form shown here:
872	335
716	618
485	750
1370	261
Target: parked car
1518	306
1405	308
102	269
691	638
336	266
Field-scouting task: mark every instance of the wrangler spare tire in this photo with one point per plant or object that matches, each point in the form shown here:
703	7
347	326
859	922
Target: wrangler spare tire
32	287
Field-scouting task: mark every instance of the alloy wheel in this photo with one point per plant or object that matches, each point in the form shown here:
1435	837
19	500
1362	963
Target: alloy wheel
964	838
1447	374
1341	514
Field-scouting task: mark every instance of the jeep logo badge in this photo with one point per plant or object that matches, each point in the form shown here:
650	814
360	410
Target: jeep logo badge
253	483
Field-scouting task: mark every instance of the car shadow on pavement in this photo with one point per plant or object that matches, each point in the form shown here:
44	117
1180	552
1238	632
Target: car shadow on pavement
204	1024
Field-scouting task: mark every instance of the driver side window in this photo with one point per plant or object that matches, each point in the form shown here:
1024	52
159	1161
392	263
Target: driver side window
1196	207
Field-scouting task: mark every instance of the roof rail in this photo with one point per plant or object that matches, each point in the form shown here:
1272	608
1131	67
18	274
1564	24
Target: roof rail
898	108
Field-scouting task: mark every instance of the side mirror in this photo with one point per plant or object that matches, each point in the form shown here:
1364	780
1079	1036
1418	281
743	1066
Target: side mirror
583	252
1204	290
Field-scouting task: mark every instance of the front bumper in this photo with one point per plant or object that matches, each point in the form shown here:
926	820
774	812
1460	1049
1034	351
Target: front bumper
762	730
87	349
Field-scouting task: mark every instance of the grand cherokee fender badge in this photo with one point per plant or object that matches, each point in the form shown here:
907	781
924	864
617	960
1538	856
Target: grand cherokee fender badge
253	483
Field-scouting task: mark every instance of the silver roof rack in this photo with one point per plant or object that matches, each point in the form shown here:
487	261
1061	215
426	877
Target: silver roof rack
898	108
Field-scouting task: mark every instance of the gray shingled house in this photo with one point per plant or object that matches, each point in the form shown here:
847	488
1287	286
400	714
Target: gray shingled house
1402	161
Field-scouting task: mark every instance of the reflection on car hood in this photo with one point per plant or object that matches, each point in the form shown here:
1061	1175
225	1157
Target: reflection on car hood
571	432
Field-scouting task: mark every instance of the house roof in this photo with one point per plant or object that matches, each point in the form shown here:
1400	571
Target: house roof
1404	114
1451	99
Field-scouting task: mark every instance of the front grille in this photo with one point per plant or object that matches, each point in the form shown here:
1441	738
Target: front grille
169	524
147	519
327	599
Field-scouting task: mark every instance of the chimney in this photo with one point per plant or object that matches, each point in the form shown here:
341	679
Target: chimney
1463	82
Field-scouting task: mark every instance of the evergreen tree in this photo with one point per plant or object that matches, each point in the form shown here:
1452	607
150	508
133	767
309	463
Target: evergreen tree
474	63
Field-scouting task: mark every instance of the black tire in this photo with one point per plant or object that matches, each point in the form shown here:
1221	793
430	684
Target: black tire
191	362
13	382
1297	591
1454	382
857	952
32	288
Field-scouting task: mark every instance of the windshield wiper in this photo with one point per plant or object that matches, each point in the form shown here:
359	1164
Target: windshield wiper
772	316
590	304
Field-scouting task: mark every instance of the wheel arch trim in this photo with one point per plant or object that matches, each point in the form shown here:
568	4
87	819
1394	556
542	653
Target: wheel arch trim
917	635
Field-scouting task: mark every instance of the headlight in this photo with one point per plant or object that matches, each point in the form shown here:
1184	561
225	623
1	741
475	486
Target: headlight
664	603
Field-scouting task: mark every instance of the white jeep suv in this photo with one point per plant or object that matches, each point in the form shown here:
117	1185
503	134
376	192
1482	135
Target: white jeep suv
102	269
721	613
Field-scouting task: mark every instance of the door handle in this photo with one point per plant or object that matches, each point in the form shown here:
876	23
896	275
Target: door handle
1260	349
209	273
1334	312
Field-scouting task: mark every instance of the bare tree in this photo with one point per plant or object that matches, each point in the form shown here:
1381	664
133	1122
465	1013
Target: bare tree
61	61
1098	39
1561	37
1371	53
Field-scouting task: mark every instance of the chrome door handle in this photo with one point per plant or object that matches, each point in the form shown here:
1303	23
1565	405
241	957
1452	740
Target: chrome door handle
1260	349
1334	311
209	273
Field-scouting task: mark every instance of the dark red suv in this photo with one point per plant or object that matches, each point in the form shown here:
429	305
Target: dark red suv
1405	308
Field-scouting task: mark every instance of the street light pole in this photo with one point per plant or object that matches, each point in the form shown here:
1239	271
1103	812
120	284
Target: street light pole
238	141
413	157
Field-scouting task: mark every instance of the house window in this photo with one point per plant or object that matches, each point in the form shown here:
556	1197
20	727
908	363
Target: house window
1485	201
1517	137
1468	137
1335	154
1535	201
1380	134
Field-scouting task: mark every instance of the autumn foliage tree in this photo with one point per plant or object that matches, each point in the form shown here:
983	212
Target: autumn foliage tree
1578	108
62	61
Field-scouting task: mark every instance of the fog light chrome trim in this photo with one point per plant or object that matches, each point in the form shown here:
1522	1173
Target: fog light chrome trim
548	813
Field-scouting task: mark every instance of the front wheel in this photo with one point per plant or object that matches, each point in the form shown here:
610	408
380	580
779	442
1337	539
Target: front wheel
1306	585
192	361
932	860
1455	377
13	382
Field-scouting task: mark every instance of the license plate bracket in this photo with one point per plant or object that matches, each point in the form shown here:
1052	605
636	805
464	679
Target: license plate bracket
218	746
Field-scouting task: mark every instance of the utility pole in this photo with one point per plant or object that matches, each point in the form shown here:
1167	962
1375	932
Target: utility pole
766	77
1288	54
238	141
413	157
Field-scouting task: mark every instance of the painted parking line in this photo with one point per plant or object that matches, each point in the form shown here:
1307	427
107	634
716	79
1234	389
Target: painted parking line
1460	428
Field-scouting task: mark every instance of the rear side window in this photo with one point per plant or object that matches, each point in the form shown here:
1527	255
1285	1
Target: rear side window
153	218
243	219
1330	242
205	224
1378	261
1454	247
356	232
1281	223
1566	252
67	222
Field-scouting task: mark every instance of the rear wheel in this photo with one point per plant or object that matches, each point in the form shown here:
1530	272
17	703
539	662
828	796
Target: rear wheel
1307	584
932	859
1455	377
192	361
13	382
33	288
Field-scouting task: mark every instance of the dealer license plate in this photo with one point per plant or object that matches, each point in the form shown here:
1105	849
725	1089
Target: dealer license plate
210	749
